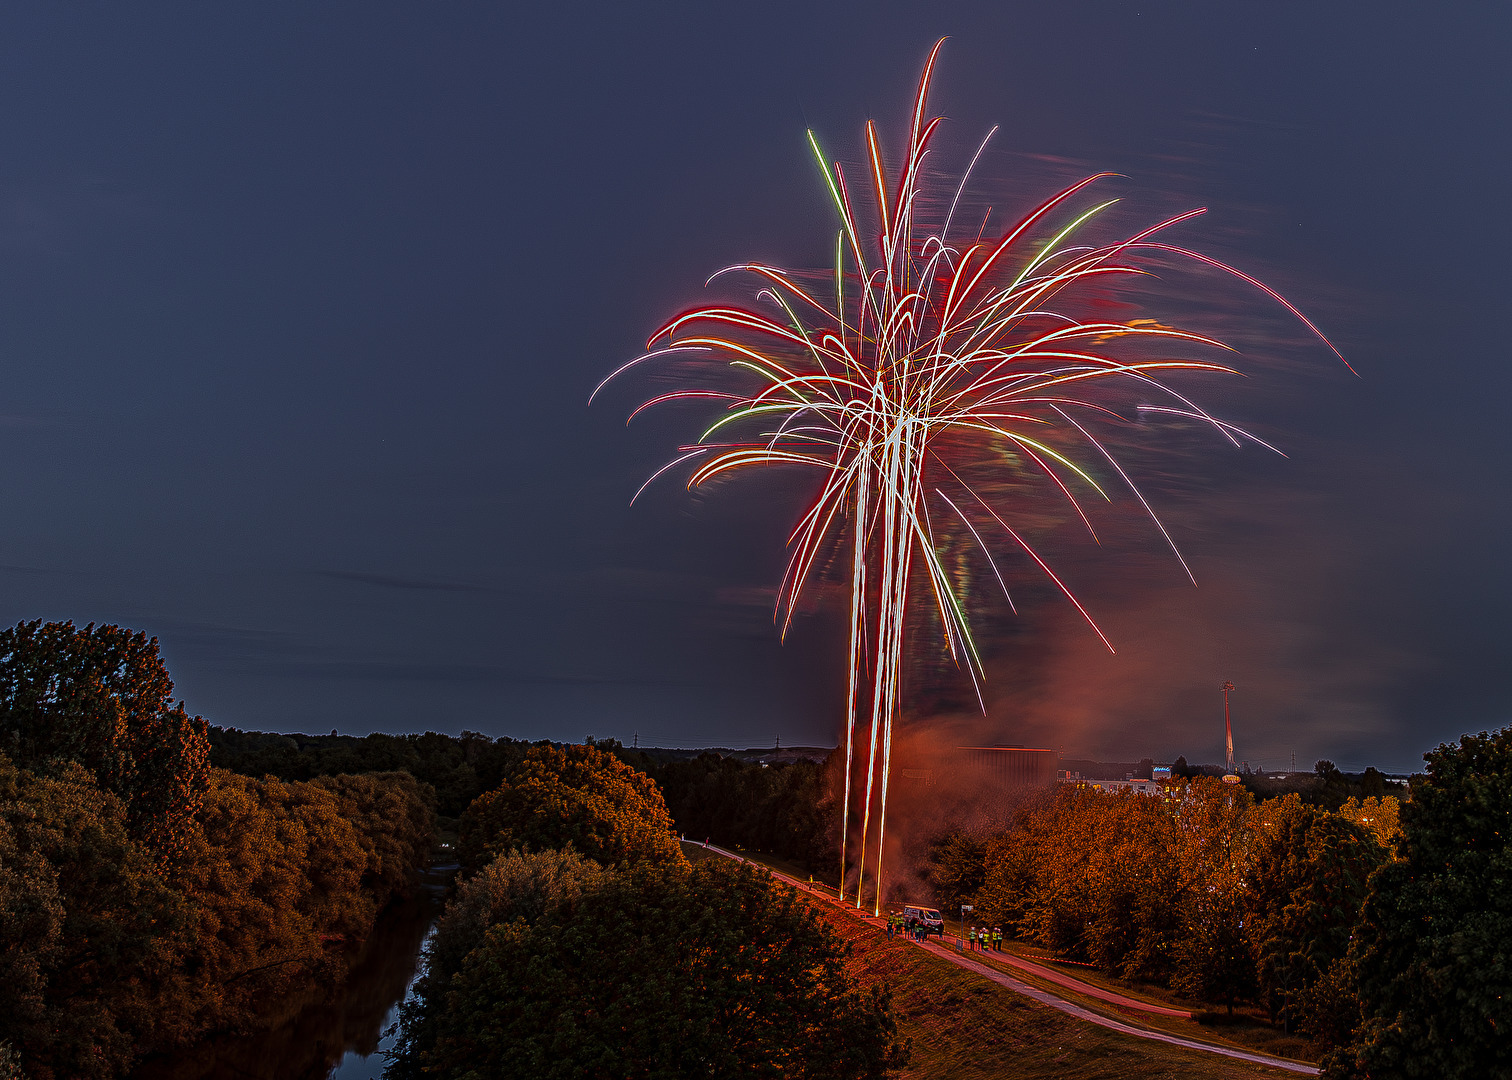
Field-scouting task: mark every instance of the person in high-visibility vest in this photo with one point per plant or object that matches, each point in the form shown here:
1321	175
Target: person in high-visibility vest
971	938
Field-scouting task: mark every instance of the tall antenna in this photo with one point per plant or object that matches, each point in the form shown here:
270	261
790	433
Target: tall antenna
1228	733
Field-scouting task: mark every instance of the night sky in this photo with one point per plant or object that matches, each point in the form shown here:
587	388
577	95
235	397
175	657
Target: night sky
300	309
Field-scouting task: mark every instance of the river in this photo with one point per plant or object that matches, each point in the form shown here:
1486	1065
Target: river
330	1036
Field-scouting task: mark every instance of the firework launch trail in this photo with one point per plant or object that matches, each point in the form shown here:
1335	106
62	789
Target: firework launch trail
934	358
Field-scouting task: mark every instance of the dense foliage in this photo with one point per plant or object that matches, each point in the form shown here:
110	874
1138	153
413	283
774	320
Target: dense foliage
458	768
657	970
146	898
90	932
1326	787
577	795
101	697
1434	971
1307	880
106	956
788	809
394	820
1203	889
285	875
513	887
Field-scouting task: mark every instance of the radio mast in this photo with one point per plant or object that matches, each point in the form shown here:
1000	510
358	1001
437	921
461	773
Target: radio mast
1228	737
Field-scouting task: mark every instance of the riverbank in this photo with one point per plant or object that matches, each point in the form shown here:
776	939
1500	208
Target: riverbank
319	1033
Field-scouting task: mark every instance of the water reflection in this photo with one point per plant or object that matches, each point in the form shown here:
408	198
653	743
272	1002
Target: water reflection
330	1036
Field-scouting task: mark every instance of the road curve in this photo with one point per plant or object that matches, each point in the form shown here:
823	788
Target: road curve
1046	998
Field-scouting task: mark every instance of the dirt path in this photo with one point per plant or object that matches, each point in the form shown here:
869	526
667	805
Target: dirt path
1001	978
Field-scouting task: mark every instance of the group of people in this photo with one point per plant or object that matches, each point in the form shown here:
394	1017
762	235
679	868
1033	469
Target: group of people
980	937
898	926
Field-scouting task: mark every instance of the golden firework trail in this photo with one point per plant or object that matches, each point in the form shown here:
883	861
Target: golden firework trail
930	351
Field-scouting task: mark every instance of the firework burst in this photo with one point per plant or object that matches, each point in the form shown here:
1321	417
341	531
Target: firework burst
930	358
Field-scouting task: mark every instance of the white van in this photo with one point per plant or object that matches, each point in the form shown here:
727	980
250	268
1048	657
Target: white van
927	917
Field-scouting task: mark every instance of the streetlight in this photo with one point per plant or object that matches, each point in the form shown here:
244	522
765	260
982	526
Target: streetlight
961	938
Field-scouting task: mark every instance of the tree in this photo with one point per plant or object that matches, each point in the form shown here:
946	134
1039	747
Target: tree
1433	973
664	971
577	795
958	869
1096	875
91	931
1332	786
276	876
1215	959
790	809
513	888
395	823
1382	817
101	697
1308	871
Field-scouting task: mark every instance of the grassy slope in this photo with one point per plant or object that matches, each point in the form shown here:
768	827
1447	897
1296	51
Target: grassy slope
1247	1028
962	1026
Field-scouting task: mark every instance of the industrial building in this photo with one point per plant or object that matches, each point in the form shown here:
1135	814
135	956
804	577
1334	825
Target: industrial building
1009	766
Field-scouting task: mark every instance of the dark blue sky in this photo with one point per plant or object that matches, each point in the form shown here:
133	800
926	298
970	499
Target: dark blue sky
300	308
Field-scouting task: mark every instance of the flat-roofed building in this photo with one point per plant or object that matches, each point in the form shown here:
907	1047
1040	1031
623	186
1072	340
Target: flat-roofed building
1011	766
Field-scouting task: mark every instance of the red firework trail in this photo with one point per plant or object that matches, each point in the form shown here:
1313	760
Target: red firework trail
930	353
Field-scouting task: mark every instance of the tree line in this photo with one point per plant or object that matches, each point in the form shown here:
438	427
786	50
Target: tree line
1378	928
161	879
148	898
789	809
1204	890
457	768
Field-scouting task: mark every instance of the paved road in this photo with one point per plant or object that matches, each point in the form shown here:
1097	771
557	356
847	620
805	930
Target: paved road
967	961
1072	983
